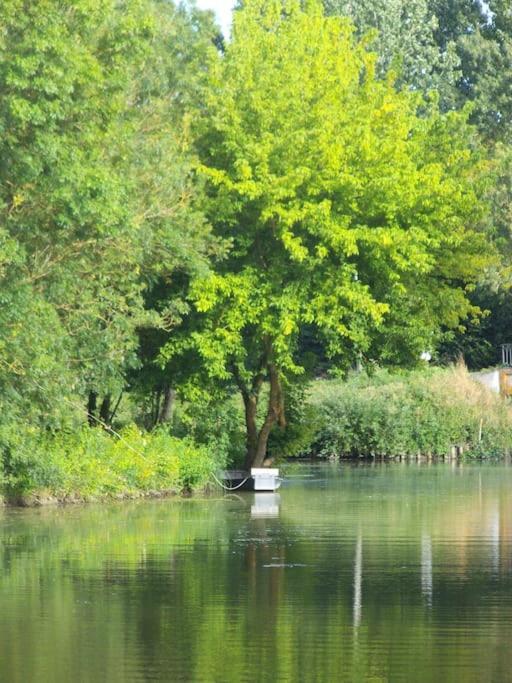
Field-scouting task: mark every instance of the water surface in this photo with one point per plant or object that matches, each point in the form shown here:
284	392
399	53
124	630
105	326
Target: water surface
383	573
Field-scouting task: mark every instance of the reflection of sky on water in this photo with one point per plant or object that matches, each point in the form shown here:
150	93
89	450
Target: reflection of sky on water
426	567
358	580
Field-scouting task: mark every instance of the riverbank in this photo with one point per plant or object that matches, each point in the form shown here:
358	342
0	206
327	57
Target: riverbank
428	414
45	498
92	465
434	413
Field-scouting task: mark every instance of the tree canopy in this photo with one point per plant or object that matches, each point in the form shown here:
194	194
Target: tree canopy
96	199
345	210
404	33
182	213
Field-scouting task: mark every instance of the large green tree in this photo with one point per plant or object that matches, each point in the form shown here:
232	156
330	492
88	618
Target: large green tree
482	34
96	197
459	48
463	49
346	211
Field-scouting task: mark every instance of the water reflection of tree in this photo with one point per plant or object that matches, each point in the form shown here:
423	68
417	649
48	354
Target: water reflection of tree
184	587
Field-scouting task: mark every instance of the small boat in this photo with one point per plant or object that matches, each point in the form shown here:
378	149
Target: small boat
258	479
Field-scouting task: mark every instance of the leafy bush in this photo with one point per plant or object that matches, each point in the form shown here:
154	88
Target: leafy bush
91	463
422	412
301	429
217	423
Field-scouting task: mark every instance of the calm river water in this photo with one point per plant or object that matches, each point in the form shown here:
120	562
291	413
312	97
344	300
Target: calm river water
383	573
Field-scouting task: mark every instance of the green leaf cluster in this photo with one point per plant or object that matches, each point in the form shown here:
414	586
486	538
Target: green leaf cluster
423	413
96	194
346	210
89	464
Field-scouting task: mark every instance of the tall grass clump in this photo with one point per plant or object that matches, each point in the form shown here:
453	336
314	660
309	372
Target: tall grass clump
416	413
90	463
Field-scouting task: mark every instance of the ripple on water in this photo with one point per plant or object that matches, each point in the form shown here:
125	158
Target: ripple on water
351	574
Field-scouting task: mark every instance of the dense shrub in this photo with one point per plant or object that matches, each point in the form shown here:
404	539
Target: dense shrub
217	423
298	437
91	463
422	412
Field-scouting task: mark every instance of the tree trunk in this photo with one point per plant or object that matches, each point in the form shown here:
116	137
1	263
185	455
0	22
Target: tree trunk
251	406
105	410
155	407
257	440
113	413
165	413
91	408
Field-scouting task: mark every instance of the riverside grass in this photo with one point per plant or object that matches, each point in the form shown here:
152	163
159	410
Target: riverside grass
91	464
425	412
384	414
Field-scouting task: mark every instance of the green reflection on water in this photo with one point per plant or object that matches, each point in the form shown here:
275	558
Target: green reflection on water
385	573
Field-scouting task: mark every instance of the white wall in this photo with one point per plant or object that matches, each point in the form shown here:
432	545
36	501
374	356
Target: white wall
489	378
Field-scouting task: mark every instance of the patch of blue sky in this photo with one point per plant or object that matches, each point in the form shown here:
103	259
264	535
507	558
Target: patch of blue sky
223	11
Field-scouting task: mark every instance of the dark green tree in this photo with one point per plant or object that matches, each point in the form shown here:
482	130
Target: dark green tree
97	199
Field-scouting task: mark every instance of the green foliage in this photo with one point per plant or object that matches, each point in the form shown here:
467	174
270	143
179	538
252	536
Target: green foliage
404	35
482	34
219	424
341	203
214	422
90	463
458	48
96	196
409	414
463	49
346	211
479	342
174	217
302	423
